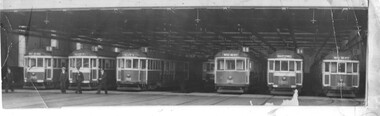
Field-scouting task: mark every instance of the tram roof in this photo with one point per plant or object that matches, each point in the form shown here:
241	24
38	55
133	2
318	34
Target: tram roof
194	29
87	52
132	53
285	54
43	52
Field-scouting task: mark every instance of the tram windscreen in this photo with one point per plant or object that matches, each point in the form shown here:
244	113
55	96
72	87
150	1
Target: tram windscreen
220	64
299	67
135	63
284	65
291	65
86	63
230	64
93	63
277	66
79	62
240	64
143	63
342	67
334	67
355	67
33	62
48	62
40	62
128	63
72	63
349	67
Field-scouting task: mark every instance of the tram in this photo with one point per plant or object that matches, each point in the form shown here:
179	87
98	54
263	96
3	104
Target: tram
285	72
42	68
89	63
340	74
145	70
208	74
233	71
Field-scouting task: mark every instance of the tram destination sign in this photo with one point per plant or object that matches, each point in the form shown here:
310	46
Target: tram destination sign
230	55
284	56
341	58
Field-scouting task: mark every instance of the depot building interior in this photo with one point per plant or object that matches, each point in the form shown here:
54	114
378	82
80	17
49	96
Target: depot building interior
199	33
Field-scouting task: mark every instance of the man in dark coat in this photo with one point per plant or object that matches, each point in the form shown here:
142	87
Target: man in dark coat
9	79
63	79
79	79
102	82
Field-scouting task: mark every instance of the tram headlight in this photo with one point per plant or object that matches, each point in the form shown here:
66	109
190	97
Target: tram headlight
283	78
230	77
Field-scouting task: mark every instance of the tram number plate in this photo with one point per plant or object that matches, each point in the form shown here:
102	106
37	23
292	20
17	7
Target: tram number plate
341	84
230	81
128	79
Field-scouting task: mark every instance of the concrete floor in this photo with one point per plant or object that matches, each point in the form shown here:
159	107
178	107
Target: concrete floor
54	99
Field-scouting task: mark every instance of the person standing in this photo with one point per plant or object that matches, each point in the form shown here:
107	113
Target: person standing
9	80
63	80
79	79
102	82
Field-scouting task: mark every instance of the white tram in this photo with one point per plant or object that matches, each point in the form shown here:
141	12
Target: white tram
340	74
42	68
285	72
138	70
90	63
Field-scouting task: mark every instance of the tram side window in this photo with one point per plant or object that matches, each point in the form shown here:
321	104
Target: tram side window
33	62
355	67
104	63
135	63
342	67
230	64
59	62
291	65
86	63
93	62
150	64
284	65
48	62
299	66
40	62
107	63
128	63
327	66
100	63
334	67
63	62
240	64
55	63
349	67
143	63
220	64
277	66
271	65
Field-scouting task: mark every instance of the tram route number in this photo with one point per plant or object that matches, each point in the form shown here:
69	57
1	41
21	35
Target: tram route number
128	79
230	81
230	54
